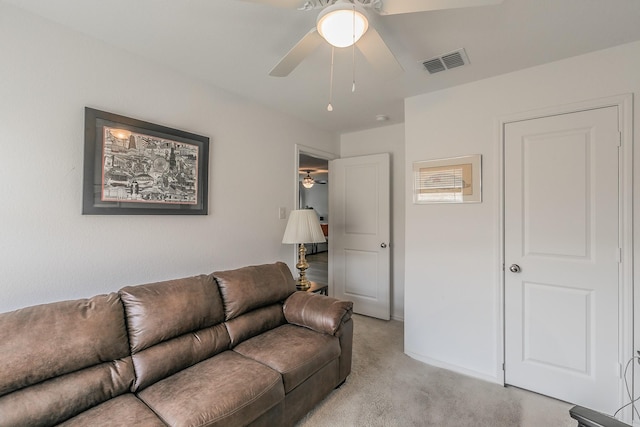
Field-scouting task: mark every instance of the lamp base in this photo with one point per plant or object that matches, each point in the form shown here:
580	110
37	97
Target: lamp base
302	283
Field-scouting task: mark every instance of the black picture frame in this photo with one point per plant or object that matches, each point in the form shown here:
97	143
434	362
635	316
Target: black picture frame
133	167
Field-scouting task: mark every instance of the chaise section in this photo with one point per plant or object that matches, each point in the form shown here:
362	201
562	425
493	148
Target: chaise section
61	359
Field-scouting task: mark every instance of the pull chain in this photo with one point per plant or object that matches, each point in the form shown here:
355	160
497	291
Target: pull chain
330	107
353	86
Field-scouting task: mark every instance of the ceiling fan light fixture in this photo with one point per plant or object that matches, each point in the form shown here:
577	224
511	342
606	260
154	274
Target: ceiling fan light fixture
308	182
342	24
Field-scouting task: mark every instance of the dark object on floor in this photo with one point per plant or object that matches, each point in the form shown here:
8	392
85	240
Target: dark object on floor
589	418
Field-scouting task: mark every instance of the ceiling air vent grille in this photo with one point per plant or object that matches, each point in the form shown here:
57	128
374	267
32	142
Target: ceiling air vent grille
434	65
447	61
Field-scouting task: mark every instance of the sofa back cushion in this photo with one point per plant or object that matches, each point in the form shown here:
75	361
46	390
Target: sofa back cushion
248	288
62	358
172	325
255	322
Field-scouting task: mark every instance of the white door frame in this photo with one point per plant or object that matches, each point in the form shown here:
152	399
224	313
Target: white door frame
625	300
314	152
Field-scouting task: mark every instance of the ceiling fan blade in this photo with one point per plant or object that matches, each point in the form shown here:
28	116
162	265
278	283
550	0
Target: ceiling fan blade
378	54
393	7
295	56
283	4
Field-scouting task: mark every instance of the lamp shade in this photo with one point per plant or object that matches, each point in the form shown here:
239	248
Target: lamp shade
303	227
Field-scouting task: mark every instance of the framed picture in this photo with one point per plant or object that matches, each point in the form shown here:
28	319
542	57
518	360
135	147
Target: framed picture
133	167
452	180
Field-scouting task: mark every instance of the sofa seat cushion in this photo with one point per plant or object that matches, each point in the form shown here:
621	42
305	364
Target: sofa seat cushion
124	411
296	352
225	390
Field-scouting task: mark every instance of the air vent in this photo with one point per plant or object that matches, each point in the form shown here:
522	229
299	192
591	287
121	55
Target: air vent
447	61
434	65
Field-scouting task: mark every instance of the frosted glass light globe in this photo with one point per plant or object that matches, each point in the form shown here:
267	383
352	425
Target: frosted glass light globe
336	24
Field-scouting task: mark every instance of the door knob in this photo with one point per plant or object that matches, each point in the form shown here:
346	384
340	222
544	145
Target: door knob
383	245
514	268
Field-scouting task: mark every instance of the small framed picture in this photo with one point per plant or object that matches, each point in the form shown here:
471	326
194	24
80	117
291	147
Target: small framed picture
451	180
133	167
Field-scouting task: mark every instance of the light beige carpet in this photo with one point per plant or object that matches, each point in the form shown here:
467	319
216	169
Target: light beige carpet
388	388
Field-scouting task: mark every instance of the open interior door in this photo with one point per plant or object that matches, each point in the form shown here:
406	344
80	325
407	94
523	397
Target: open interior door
359	233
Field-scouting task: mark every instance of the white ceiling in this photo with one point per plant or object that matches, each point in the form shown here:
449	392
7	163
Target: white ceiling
234	44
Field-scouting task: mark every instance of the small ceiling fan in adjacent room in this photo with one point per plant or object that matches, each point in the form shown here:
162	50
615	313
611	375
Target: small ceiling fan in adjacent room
343	23
308	181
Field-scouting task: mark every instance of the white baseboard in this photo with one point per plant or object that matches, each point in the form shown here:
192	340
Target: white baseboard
455	368
398	318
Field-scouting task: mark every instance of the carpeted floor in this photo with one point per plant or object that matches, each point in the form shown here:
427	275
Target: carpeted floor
388	388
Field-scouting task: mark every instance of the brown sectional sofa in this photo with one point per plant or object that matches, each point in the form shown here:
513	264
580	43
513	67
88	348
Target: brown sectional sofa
238	347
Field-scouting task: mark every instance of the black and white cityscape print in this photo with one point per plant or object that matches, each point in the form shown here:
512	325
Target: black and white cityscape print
140	168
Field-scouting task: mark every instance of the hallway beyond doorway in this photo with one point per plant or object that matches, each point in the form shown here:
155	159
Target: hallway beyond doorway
318	270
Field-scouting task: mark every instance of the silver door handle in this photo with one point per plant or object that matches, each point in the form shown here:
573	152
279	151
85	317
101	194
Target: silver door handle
515	268
383	245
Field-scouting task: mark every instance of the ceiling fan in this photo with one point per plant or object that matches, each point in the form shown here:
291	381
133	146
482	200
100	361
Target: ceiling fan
308	181
343	23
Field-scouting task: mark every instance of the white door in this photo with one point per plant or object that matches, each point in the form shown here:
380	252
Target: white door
561	230
359	218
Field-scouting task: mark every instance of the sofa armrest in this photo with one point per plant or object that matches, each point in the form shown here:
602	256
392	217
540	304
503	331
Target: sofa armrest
318	312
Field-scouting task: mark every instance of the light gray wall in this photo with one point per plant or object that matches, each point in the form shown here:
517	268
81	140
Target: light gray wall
388	139
453	311
48	250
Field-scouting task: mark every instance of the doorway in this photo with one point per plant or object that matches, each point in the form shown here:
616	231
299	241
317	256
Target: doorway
313	193
566	322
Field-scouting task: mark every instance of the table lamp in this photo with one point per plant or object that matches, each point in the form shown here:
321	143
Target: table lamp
303	227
